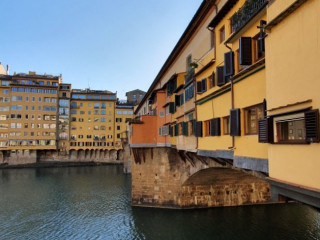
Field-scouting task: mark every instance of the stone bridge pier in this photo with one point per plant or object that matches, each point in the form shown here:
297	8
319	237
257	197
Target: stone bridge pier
164	177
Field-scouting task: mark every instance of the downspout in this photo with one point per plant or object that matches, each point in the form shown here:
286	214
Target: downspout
232	97
212	30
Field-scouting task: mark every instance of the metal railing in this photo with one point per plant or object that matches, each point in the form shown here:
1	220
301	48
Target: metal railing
245	13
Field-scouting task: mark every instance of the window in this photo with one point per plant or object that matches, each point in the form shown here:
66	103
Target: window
252	116
118	127
202	86
64	94
134	97
290	129
96	105
222	34
299	127
226	125
211	80
258	48
73	111
207	128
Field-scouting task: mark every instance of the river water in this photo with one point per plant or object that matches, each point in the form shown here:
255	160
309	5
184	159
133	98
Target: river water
94	203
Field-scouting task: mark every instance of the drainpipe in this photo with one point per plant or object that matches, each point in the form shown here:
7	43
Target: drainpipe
232	97
212	30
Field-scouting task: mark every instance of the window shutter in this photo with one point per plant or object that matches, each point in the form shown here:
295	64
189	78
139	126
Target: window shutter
177	100
199	87
216	127
211	133
198	132
181	99
245	51
266	130
204	85
176	130
213	79
228	64
170	131
235	122
312	125
184	128
171	107
220	76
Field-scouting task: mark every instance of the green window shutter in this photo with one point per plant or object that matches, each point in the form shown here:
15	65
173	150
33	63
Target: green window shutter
181	99
170	131
228	64
176	130
221	80
235	127
177	100
171	108
204	85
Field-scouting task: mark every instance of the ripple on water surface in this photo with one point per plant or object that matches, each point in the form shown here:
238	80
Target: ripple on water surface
94	203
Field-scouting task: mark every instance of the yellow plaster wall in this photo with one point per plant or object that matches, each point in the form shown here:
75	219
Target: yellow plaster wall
277	6
293	74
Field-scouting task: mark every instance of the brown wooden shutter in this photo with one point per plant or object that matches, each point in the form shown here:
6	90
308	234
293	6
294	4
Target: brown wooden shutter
235	128
198	129
266	130
199	87
216	127
228	64
211	127
220	76
245	52
312	125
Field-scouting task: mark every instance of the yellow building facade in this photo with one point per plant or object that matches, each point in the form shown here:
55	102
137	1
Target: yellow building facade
28	112
292	78
92	119
123	114
231	91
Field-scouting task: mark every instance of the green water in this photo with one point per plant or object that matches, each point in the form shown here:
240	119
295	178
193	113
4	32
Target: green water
94	203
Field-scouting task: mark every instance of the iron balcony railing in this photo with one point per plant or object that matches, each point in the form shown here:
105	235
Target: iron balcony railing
246	12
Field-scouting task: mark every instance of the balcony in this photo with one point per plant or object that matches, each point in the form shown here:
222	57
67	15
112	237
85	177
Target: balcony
249	9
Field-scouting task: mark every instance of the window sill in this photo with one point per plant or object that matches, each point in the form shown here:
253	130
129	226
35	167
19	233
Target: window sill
291	143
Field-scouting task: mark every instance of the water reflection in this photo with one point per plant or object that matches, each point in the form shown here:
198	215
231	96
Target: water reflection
94	203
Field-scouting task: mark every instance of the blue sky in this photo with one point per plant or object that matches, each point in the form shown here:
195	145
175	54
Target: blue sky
102	44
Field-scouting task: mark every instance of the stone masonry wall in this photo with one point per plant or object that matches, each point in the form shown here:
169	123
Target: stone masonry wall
163	177
157	176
